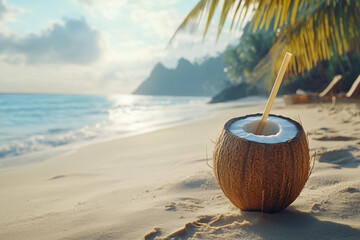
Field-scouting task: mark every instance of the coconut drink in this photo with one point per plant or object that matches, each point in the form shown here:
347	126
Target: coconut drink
261	161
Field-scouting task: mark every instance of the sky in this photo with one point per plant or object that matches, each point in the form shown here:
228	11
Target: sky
95	46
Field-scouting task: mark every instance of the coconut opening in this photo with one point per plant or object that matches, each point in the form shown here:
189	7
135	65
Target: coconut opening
276	130
271	128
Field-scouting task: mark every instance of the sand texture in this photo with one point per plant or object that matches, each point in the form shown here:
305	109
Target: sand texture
159	186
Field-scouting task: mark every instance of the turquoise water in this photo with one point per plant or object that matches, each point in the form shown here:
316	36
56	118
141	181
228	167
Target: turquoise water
37	122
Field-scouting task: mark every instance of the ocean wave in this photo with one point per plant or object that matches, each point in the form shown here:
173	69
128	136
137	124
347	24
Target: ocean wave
136	121
44	142
46	126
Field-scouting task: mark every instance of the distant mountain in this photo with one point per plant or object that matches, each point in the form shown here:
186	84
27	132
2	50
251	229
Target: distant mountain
187	79
235	92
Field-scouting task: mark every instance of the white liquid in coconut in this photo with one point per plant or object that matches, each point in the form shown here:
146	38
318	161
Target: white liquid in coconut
276	129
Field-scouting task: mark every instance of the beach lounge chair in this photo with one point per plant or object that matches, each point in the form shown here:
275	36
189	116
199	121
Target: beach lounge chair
331	92
333	88
355	89
299	98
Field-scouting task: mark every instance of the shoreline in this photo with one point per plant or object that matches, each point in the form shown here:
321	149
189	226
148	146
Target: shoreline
157	184
57	151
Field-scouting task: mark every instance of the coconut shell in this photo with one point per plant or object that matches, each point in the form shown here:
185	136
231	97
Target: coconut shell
264	177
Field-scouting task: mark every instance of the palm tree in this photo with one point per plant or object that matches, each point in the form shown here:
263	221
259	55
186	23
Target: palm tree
242	60
313	30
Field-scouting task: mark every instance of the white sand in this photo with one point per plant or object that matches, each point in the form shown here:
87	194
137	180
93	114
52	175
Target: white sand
158	185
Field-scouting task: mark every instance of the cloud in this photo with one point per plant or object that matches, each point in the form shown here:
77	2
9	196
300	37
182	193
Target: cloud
160	22
8	12
73	42
132	44
158	3
3	10
119	3
108	9
130	38
100	3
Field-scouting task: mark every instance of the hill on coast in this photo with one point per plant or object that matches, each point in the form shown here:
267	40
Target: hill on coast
187	79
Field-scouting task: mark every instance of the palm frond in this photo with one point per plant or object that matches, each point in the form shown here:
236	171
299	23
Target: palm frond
192	20
312	30
262	9
329	28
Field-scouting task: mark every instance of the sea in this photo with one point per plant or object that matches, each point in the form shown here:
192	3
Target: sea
32	123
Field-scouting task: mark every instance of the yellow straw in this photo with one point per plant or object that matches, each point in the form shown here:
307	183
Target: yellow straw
273	93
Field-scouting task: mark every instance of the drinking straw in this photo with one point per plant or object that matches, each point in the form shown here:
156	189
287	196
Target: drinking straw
273	93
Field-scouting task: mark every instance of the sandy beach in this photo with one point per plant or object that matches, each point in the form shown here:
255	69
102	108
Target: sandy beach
158	186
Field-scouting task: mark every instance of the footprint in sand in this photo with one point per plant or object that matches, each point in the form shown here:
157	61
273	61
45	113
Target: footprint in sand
289	224
351	190
208	224
340	157
190	229
335	138
153	234
185	204
329	134
317	208
170	207
329	130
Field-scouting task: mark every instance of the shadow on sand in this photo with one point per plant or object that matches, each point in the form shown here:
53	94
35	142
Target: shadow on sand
288	224
297	225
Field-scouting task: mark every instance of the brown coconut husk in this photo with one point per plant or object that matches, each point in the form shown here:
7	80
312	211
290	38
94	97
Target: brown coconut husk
264	177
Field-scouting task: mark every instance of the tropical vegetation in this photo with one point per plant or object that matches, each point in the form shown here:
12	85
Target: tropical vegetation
313	31
242	59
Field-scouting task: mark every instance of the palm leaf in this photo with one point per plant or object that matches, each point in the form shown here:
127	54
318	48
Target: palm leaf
312	30
191	22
